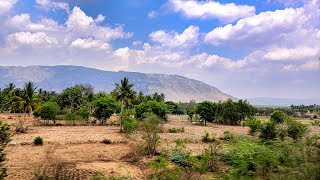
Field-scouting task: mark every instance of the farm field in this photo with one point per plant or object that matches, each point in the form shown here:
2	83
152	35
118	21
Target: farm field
77	151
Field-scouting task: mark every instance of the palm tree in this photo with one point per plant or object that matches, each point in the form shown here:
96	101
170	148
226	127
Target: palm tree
28	102
124	93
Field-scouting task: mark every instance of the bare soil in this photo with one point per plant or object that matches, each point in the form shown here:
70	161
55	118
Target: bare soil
77	151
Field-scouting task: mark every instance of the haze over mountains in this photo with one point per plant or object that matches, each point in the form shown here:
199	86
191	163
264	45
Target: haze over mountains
176	88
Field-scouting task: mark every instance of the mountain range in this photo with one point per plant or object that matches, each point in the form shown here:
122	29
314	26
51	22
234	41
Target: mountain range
56	78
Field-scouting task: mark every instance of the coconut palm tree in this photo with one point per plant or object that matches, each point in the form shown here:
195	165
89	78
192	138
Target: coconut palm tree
28	102
124	93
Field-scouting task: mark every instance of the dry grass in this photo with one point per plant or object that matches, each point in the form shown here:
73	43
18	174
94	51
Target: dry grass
77	151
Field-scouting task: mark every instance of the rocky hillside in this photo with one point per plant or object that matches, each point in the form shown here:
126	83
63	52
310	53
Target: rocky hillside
176	88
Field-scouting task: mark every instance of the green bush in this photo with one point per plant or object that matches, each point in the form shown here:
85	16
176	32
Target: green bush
150	127
38	140
268	131
254	125
176	130
278	117
4	140
154	107
84	112
104	107
296	130
207	139
315	123
49	110
129	123
248	158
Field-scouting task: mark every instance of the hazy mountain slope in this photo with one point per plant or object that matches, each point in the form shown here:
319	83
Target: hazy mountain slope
176	88
265	101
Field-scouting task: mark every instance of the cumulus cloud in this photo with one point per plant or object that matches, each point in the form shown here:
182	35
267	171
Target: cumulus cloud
38	39
6	5
152	14
90	44
267	27
298	53
211	10
187	39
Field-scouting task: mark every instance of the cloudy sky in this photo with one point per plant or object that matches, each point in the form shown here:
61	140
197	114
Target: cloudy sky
256	48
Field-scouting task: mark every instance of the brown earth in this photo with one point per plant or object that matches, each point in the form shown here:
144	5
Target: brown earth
77	151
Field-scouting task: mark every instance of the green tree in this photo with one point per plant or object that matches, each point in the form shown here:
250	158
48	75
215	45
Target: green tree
49	111
28	101
155	107
206	110
124	93
278	117
150	127
104	107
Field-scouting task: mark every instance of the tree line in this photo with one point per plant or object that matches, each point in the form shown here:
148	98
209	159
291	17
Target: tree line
81	102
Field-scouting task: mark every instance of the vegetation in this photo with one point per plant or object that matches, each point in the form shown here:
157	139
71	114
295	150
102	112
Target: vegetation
38	140
4	140
151	128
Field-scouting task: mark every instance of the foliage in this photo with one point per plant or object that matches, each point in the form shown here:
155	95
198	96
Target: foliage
129	123
155	107
84	112
176	130
104	108
207	139
206	110
40	174
268	131
278	117
254	125
49	110
315	123
150	127
4	140
38	140
296	130
248	158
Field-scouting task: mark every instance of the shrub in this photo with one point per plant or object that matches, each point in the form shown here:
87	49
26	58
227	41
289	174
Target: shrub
176	130
38	140
104	107
228	135
268	131
206	110
49	110
254	125
207	139
248	157
84	112
129	124
106	141
40	174
4	140
296	130
162	171
150	127
315	123
278	117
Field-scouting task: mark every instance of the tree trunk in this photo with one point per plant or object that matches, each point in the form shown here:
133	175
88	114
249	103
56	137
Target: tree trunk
121	115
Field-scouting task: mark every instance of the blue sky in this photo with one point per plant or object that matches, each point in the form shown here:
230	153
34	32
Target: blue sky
257	48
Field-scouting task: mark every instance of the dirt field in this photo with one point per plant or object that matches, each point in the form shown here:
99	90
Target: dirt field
78	149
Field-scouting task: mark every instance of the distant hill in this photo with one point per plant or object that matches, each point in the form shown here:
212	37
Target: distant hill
265	101
176	88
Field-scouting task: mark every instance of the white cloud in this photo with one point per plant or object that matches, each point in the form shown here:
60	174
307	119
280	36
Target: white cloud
152	14
6	5
23	22
90	44
79	18
312	65
51	5
38	39
259	29
188	38
100	18
136	43
211	10
298	53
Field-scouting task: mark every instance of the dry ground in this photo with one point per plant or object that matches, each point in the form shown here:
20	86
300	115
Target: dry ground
77	151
